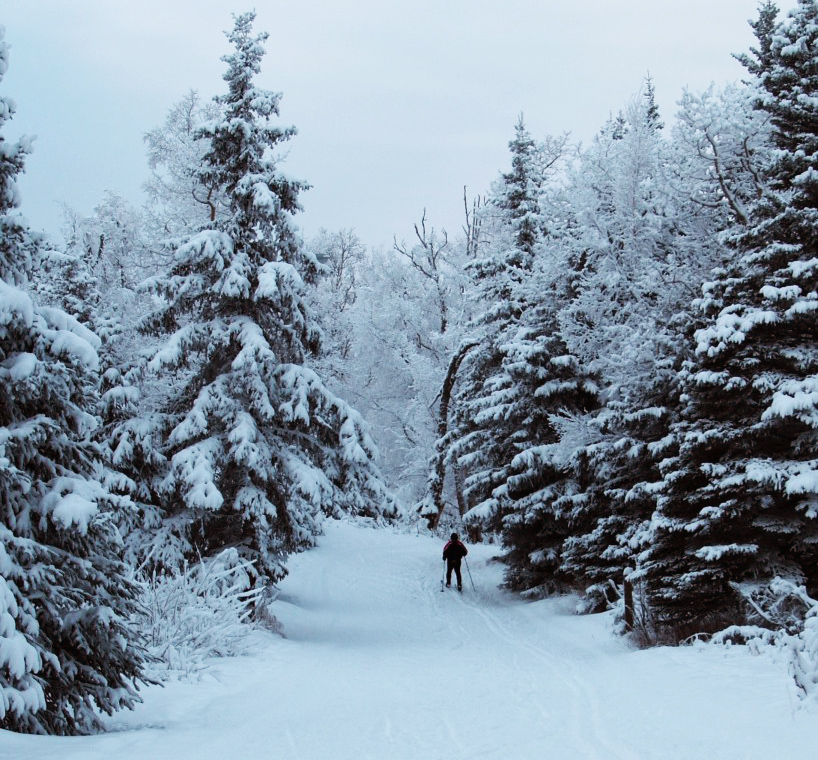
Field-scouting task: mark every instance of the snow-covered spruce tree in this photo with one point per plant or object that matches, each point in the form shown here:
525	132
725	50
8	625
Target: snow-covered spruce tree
589	334
481	439
623	325
740	501
710	175
642	219
65	652
259	449
549	388
759	60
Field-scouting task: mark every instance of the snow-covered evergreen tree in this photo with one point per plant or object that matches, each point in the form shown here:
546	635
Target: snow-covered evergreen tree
65	652
94	279
739	501
622	324
484	434
651	211
258	448
551	392
633	237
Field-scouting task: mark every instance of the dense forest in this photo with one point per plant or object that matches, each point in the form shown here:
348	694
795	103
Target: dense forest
611	372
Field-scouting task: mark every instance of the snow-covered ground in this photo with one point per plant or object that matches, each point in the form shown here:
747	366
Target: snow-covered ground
378	663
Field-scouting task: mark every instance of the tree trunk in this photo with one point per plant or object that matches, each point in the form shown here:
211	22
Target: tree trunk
628	605
438	469
462	506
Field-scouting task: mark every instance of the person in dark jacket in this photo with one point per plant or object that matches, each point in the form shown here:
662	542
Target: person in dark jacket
453	553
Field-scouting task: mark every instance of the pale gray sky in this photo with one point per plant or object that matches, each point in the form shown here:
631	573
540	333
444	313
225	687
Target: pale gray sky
398	103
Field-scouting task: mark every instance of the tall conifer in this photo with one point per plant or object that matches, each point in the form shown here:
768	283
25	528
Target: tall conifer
258	448
65	652
740	501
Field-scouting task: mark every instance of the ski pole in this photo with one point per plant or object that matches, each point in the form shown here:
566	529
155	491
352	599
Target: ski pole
470	578
443	578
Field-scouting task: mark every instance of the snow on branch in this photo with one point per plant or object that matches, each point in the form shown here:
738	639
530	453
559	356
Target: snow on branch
193	469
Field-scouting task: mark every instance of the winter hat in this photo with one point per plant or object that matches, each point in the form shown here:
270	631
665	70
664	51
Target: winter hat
454	536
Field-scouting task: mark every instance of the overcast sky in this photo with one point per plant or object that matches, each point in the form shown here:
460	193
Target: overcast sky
398	103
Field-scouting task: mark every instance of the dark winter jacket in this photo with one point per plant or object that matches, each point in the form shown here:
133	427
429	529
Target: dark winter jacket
454	551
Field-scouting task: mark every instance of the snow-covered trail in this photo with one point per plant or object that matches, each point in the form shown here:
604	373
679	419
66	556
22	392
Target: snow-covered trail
378	663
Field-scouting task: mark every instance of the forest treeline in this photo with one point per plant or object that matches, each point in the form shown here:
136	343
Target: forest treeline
611	370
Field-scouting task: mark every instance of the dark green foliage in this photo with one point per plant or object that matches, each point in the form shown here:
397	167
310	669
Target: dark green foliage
66	653
740	500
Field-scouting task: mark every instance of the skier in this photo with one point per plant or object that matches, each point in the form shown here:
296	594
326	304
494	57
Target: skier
453	553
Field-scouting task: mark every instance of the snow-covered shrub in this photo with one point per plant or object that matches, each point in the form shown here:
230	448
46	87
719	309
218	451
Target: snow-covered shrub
804	655
203	610
788	619
600	597
780	605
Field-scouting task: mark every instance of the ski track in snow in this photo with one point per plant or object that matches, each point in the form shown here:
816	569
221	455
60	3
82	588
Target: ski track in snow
378	663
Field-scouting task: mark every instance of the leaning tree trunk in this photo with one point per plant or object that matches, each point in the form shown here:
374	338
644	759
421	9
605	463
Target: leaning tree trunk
434	504
462	504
